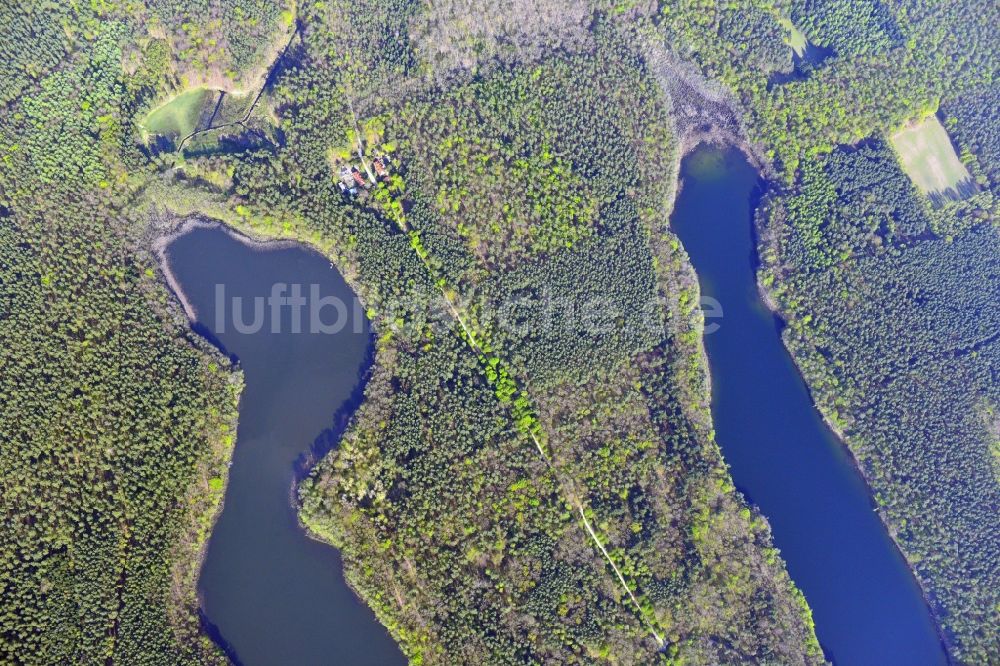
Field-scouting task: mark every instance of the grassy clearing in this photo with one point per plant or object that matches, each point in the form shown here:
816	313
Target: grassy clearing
795	39
928	157
179	116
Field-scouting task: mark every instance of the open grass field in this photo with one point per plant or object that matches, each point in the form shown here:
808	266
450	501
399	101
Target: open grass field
928	157
178	117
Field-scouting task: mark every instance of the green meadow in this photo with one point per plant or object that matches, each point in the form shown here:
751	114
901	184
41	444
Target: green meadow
928	157
178	117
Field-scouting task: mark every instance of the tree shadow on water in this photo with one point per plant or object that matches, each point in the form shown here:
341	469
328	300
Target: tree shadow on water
330	437
212	631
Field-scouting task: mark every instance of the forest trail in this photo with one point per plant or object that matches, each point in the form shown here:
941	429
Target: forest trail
563	486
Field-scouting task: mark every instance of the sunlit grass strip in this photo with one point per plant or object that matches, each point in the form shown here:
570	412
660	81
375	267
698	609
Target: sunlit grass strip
795	39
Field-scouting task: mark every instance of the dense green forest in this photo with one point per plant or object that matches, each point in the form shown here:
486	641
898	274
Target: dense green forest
115	415
971	118
521	182
118	449
506	493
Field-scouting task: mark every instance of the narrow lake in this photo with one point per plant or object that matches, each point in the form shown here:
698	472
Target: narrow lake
867	606
271	594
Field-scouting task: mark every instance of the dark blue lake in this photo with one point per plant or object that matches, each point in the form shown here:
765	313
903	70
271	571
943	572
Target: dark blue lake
866	604
272	595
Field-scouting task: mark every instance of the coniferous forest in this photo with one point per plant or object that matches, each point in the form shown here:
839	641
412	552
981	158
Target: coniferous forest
505	492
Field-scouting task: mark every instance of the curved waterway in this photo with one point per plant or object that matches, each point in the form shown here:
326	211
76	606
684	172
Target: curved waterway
866	604
272	595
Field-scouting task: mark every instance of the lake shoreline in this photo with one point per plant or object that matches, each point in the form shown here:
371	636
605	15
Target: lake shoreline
160	248
771	304
721	137
182	226
809	466
725	132
185	225
166	230
274	450
161	241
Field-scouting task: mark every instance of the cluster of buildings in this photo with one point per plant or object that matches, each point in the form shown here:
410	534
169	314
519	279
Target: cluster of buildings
353	180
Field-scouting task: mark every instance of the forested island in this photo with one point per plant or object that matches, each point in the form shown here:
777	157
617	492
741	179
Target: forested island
507	492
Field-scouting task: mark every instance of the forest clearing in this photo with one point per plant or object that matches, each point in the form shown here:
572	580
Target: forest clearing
179	116
928	157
